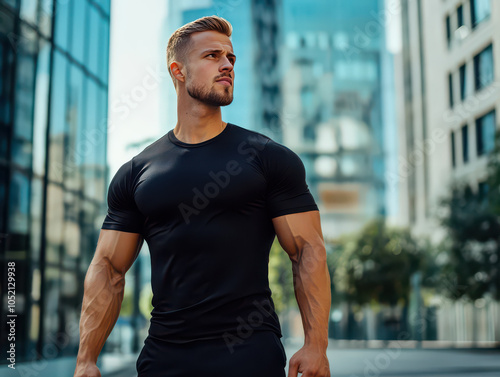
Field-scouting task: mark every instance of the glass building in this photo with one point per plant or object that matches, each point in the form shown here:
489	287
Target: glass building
243	110
335	114
54	59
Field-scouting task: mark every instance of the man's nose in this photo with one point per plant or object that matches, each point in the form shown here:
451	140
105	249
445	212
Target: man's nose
226	65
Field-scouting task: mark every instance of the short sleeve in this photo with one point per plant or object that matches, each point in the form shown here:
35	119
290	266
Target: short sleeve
123	214
287	190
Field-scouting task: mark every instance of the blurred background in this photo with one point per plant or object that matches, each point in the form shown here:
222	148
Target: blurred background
392	105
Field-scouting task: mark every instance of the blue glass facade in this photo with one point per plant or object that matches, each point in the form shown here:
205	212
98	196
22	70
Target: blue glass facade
54	58
310	75
334	64
242	110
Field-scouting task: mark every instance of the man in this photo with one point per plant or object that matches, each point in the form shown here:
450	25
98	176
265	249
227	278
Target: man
209	197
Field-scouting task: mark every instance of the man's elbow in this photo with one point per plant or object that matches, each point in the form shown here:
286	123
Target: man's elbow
103	272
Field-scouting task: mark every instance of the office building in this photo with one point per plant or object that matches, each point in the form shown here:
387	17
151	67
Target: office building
53	173
449	111
447	74
336	115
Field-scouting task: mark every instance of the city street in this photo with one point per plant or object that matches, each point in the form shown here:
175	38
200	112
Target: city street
393	362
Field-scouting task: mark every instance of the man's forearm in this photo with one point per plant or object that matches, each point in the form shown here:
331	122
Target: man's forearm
312	290
104	287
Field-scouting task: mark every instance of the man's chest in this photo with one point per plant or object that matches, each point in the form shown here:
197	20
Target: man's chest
175	186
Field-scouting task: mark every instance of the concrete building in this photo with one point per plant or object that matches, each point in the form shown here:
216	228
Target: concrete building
448	77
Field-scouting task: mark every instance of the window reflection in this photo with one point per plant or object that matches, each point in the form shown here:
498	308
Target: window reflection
35	218
453	150
485	133
62	29
45	17
58	119
6	66
480	10
450	89
19	200
4	173
23	121
463	81
483	68
72	231
76	115
94	50
42	81
78	29
52	320
55	218
104	53
70	300
28	11
465	144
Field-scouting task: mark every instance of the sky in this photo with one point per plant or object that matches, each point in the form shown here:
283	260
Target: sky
137	71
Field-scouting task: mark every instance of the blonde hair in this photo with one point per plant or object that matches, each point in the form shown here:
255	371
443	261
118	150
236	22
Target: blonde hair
178	44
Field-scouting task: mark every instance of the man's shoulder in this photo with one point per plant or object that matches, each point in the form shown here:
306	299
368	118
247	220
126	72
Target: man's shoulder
250	137
156	148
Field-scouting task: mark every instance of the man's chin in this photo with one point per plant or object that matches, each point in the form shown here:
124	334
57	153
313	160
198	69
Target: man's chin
226	103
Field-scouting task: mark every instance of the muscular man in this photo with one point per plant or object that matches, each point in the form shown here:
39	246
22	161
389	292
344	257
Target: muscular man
209	197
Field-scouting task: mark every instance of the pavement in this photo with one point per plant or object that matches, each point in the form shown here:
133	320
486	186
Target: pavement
392	361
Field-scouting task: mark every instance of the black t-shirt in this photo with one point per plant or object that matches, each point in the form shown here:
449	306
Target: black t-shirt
205	211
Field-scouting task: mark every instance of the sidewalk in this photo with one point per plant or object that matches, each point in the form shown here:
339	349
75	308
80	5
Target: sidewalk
392	361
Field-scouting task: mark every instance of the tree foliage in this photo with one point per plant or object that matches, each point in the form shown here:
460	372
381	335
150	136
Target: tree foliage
281	278
472	219
376	264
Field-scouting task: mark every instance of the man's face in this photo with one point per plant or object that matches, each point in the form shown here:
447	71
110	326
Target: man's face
209	68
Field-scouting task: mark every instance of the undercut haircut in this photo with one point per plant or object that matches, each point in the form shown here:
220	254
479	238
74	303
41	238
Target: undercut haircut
180	40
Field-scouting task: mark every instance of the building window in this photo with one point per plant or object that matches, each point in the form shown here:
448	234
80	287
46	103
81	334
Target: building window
453	158
450	89
485	133
483	68
448	30
479	10
460	16
482	190
465	143
463	81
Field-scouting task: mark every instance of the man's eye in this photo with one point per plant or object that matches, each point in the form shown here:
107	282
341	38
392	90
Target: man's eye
211	55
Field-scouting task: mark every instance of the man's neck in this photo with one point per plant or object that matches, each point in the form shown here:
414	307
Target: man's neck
198	123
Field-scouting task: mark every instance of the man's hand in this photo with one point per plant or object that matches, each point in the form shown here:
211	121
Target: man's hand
310	361
88	370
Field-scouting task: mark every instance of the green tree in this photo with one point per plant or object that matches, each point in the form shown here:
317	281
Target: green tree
281	278
376	265
472	264
472	220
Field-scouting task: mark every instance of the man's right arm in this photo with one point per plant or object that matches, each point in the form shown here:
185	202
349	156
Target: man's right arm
103	294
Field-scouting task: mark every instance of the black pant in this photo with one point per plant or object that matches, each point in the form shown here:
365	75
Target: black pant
261	354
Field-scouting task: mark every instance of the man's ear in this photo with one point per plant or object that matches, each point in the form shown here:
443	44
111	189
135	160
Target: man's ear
176	68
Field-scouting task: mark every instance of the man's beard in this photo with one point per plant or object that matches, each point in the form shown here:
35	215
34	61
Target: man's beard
210	97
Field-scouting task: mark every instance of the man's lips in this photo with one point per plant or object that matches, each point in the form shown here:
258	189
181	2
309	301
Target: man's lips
225	80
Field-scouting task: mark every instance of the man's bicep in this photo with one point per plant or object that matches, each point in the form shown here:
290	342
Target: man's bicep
119	249
298	231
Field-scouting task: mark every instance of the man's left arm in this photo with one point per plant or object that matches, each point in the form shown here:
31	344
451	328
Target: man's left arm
301	237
